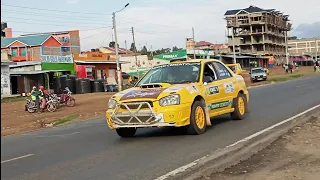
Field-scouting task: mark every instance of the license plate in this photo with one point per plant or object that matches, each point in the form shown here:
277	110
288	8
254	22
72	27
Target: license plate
259	78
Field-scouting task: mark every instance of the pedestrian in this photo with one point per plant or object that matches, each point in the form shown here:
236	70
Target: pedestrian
317	66
291	68
286	68
35	97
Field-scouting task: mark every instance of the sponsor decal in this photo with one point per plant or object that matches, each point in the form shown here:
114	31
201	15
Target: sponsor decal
174	89
135	94
213	90
228	87
219	105
176	64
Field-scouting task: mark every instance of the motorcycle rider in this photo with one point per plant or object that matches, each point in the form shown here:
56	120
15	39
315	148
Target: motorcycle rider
43	94
35	96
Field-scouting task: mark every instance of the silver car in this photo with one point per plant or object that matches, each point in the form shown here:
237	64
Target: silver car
258	74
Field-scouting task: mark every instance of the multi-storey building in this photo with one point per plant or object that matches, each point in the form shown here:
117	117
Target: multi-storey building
257	31
305	46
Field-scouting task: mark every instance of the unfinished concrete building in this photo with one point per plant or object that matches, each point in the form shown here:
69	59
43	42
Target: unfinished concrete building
257	31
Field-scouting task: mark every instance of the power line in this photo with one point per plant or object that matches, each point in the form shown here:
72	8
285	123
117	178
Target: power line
94	34
46	24
5	17
55	10
52	15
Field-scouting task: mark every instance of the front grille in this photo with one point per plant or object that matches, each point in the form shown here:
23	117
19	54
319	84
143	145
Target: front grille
135	106
143	119
150	86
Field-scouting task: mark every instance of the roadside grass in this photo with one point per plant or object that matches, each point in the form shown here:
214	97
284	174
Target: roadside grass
284	78
13	99
64	120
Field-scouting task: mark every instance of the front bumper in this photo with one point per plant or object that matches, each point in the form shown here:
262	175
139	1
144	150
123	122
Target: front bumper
144	115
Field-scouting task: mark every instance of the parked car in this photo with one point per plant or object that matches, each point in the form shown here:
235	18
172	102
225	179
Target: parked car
184	93
258	74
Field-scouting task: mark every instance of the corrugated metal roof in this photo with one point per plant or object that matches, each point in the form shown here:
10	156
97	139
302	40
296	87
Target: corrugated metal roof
250	9
28	40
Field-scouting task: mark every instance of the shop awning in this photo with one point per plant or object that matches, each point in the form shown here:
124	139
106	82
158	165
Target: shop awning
99	62
34	72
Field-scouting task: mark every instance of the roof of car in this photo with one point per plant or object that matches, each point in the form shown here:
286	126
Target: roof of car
257	68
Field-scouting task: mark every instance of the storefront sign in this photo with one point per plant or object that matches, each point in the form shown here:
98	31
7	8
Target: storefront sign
56	59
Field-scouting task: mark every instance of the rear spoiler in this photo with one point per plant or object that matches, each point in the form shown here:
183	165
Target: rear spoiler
179	59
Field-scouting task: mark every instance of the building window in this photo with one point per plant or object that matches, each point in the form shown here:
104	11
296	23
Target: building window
14	53
23	52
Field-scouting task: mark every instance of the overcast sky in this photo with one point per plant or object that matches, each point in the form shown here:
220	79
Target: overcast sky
160	23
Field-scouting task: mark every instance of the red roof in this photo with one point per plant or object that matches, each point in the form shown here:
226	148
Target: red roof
120	50
211	45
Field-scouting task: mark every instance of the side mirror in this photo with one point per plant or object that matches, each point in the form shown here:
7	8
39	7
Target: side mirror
249	72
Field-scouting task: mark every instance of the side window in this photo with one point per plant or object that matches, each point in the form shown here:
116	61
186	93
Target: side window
221	70
209	74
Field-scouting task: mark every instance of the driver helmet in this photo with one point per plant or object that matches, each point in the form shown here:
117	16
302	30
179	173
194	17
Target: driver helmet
34	87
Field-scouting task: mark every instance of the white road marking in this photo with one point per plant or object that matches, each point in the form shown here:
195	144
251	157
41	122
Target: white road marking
187	166
13	159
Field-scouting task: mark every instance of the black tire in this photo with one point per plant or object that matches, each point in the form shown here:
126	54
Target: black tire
237	114
31	110
126	132
51	107
193	128
71	102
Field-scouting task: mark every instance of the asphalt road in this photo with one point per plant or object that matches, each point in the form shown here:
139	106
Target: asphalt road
89	150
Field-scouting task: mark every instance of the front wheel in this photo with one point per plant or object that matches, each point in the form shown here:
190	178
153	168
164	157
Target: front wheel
126	132
239	105
51	107
197	119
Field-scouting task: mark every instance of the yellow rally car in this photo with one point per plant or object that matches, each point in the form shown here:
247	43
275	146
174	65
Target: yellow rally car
236	68
185	93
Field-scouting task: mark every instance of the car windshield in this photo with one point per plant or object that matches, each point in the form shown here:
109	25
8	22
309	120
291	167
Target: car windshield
254	71
177	73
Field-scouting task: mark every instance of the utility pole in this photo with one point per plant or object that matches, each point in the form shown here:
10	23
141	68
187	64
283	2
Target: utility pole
233	47
286	41
194	44
125	43
135	49
151	56
117	53
316	50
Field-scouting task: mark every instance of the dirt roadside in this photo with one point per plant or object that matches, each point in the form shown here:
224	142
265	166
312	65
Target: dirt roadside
14	119
88	106
294	156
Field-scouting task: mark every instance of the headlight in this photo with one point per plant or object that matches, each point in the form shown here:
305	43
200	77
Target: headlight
112	104
170	100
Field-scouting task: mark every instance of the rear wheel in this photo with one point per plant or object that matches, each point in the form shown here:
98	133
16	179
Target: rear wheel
197	119
71	102
239	105
126	132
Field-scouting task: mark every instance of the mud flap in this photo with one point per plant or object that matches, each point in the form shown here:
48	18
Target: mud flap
208	117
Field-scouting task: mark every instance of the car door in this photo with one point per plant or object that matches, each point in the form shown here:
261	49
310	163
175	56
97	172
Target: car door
212	89
227	86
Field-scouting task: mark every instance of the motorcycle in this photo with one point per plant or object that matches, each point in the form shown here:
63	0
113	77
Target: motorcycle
63	99
31	106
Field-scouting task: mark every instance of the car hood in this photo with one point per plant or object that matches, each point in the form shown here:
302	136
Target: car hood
153	91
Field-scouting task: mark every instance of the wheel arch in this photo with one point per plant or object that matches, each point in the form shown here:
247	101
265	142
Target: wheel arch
201	99
246	100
